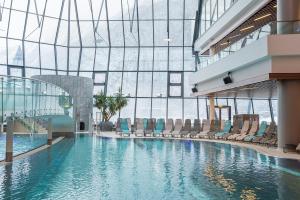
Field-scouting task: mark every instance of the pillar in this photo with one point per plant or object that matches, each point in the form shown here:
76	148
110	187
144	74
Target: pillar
288	113
49	141
9	139
288	13
211	108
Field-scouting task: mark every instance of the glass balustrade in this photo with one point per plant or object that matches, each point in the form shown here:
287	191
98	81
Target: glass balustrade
269	29
29	98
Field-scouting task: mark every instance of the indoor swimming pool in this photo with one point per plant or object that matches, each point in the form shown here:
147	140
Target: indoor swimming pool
90	167
22	143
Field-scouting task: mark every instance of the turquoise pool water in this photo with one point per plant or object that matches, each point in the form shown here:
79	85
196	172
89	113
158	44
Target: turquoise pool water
99	168
22	143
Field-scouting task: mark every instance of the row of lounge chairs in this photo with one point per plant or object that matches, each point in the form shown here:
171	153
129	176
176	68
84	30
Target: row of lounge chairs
250	132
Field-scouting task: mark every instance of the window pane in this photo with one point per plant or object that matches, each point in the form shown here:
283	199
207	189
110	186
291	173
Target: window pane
175	108
143	108
175	91
243	106
160	84
261	107
202	109
99	77
159	108
128	111
129	84
190	109
144	87
114	82
175	77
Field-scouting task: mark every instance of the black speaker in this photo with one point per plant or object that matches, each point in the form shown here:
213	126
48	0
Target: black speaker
194	89
227	79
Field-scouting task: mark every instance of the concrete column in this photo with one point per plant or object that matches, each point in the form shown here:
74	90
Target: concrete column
9	139
211	108
49	141
288	13
288	113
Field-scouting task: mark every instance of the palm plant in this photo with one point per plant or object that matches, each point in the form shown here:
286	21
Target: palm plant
110	105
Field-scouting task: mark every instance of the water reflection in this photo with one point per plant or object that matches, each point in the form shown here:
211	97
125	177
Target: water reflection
93	168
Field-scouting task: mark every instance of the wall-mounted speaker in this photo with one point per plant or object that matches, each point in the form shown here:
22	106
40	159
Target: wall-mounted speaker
227	79
194	90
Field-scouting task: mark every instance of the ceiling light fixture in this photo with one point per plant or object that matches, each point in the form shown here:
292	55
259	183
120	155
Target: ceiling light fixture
249	27
235	36
262	17
225	43
168	39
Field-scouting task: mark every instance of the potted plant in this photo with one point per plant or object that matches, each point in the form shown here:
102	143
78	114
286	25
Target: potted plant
109	106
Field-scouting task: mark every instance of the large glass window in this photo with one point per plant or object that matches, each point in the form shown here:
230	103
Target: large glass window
144	50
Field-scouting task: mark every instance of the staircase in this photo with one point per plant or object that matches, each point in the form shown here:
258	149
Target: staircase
30	125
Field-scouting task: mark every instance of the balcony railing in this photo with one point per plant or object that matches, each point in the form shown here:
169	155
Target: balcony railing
291	27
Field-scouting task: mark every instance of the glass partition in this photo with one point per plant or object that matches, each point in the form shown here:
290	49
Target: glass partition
29	98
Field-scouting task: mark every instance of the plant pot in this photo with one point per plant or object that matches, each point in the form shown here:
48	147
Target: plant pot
106	126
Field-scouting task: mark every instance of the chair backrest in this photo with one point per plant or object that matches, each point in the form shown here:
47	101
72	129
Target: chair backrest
169	124
150	124
246	126
178	125
197	125
118	123
129	123
206	124
138	125
145	123
124	124
271	128
159	126
187	125
262	128
227	126
254	127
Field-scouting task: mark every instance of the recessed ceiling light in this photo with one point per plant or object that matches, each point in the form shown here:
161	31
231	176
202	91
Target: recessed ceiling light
235	36
262	17
249	27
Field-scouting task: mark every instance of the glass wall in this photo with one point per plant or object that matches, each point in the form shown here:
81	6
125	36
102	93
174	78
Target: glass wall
28	98
142	47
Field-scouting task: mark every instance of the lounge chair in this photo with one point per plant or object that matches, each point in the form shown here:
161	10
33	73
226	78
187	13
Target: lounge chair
196	129
205	130
273	139
125	130
234	130
226	130
169	128
177	129
118	126
272	129
186	129
140	125
253	130
267	135
261	131
150	127
215	128
243	131
159	128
